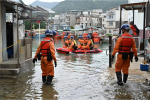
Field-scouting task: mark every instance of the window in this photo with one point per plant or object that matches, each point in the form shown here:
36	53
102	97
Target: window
110	23
90	24
109	31
86	24
109	16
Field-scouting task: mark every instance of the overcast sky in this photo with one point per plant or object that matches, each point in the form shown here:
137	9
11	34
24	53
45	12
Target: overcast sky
27	2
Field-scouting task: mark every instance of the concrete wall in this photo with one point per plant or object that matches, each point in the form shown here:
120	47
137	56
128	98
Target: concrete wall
72	20
1	58
21	34
3	32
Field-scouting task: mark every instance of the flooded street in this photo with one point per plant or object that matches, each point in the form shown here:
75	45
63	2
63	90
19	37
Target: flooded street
77	76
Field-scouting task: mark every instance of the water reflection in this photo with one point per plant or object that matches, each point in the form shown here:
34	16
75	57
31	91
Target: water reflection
77	76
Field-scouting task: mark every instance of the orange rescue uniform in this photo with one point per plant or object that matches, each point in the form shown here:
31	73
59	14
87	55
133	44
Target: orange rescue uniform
67	43
123	43
133	29
44	47
81	43
89	44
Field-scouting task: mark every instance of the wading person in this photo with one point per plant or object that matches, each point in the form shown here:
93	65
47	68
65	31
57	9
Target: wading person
46	53
123	46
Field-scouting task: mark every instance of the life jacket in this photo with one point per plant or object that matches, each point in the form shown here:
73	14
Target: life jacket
81	42
91	45
127	42
67	43
75	44
45	48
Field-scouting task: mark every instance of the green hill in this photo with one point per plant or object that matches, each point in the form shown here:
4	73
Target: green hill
87	5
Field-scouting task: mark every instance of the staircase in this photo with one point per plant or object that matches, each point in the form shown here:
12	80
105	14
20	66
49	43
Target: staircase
9	69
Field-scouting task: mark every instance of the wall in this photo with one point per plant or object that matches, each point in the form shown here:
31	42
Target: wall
72	20
1	58
3	31
111	27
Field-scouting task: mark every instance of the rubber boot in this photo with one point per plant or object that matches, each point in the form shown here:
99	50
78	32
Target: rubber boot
44	79
125	77
49	79
119	77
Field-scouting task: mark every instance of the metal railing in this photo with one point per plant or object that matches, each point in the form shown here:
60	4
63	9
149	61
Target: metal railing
112	42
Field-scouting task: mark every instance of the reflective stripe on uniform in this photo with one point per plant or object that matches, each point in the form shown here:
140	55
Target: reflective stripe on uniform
127	37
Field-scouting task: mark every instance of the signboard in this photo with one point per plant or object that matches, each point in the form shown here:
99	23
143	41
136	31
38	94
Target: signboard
38	21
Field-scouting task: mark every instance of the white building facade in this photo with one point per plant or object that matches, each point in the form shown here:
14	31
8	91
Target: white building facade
113	19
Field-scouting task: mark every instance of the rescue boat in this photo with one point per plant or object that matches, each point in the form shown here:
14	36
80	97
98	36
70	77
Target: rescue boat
57	37
78	51
63	50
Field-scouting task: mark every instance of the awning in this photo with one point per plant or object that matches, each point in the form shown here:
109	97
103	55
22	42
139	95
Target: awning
59	30
135	6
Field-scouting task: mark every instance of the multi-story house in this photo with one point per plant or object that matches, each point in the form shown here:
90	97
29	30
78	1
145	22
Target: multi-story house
88	19
113	19
60	22
103	17
85	19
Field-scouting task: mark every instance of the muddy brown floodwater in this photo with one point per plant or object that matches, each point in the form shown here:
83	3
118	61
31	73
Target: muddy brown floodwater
77	76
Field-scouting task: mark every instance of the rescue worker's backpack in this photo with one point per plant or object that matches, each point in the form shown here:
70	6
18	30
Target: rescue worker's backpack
137	30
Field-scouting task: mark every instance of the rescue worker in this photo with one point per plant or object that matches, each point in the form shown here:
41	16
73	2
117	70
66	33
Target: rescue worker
123	47
73	45
135	31
67	42
89	45
81	40
46	51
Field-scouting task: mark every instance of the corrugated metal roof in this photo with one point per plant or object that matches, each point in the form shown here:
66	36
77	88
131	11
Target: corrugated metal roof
18	1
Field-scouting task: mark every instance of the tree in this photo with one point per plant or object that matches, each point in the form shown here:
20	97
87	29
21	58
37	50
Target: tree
72	27
36	25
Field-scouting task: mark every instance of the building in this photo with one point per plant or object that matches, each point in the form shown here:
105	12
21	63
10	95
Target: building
113	19
71	18
137	14
15	48
103	17
60	22
88	19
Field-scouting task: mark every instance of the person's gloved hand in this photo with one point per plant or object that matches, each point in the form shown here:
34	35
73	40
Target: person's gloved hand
112	58
34	60
55	64
136	59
